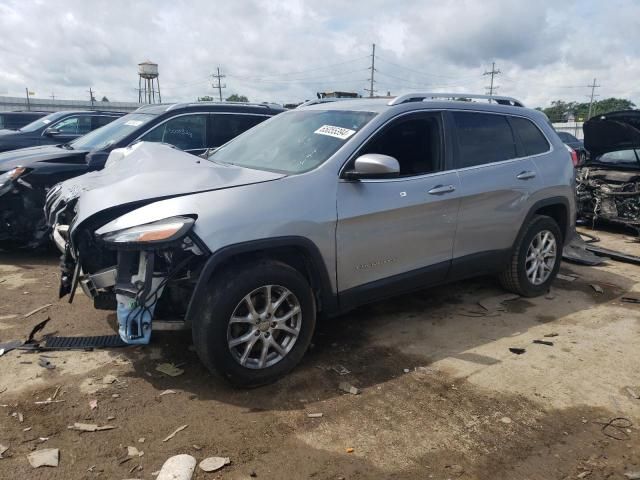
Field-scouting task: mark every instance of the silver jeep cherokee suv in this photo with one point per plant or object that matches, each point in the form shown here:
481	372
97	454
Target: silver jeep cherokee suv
316	211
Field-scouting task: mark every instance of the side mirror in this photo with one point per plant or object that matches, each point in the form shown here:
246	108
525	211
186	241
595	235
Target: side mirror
374	165
51	132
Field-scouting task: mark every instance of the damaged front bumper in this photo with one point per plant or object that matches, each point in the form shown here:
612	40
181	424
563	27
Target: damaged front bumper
149	275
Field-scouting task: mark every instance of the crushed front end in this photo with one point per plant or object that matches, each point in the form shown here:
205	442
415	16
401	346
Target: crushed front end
611	195
144	272
21	220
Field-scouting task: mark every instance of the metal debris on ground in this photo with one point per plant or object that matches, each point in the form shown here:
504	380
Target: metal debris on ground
212	464
634	393
167	392
597	288
3	449
47	457
36	310
169	369
543	342
340	370
178	467
173	434
630	299
44	363
517	351
566	278
37	328
314	415
347	387
82	343
48	401
90	427
8	346
496	303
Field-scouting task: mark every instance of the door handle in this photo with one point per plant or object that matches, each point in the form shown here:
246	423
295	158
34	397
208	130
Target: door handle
526	175
438	189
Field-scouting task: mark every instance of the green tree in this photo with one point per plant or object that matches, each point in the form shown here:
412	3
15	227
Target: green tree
206	98
560	111
104	99
237	98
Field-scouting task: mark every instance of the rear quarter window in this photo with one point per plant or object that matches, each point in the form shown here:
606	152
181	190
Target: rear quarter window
532	139
483	138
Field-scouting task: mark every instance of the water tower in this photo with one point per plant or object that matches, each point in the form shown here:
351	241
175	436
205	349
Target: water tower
148	82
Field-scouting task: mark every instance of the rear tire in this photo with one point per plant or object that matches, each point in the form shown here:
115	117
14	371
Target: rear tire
536	259
237	321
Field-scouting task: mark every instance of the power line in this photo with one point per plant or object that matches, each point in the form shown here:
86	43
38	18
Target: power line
493	73
379	58
593	94
373	70
218	84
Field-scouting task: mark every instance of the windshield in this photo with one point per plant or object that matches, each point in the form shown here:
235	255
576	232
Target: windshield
112	133
293	142
42	122
623	158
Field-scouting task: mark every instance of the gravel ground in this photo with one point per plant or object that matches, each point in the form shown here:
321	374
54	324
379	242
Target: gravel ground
441	397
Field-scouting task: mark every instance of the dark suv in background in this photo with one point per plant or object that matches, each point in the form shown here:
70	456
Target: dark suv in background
27	174
18	119
56	128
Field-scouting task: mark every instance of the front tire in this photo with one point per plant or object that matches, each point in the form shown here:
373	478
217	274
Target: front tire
536	259
256	323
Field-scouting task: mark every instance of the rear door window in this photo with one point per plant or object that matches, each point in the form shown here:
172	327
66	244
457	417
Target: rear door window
482	138
186	132
101	121
531	138
224	127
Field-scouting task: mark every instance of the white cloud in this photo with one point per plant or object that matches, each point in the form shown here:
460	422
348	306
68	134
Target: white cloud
287	50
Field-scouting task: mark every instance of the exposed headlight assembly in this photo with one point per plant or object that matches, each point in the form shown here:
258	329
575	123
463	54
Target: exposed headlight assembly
154	234
7	178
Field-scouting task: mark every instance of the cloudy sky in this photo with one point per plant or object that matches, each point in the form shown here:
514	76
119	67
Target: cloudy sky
285	51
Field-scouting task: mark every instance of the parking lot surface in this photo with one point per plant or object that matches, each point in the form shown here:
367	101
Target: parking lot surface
440	393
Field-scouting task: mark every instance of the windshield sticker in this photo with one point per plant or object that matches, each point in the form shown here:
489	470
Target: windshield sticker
337	132
45	121
133	123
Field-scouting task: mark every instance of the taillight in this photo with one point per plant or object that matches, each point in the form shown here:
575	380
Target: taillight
574	155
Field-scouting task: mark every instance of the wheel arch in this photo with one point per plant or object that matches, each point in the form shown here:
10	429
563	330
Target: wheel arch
555	207
297	252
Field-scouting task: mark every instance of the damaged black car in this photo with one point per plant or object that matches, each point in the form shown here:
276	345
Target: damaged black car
27	175
608	184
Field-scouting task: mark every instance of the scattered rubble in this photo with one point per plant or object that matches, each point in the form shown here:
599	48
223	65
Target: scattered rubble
347	387
169	369
633	475
178	467
633	393
167	392
3	449
134	452
496	303
597	288
543	342
566	278
89	427
173	434
212	464
36	310
517	350
314	415
109	379
340	370
47	457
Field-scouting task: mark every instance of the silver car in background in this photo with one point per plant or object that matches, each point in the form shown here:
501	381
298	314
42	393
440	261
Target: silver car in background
319	210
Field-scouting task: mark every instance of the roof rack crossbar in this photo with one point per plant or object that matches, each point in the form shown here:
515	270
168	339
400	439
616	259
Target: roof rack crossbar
421	96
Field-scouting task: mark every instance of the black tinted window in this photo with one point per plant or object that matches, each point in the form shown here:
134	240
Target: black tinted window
223	128
185	132
532	139
414	142
483	138
101	121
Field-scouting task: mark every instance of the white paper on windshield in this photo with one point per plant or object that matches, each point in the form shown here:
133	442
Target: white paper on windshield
45	121
337	132
133	123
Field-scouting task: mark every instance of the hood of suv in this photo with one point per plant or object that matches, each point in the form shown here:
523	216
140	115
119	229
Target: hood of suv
147	172
30	157
612	132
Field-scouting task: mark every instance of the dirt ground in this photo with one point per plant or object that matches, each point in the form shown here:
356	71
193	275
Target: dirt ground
442	397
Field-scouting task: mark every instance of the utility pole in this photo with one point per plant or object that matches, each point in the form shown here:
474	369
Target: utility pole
28	103
91	97
493	73
373	69
52	96
593	94
218	85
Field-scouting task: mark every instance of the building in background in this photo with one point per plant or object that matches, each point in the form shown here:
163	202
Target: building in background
8	104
